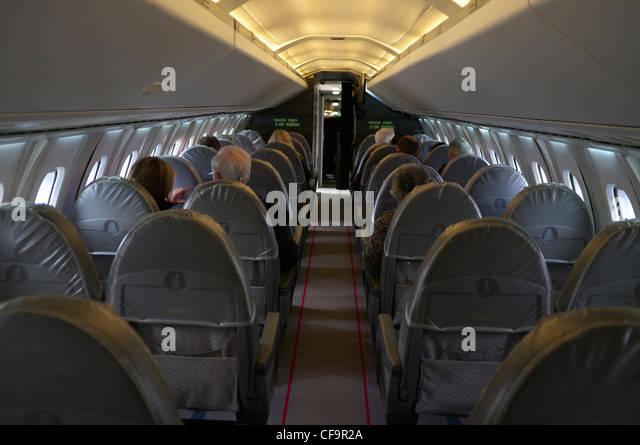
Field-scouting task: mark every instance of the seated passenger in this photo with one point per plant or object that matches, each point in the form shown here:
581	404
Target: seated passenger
157	176
407	177
234	163
408	145
210	141
457	147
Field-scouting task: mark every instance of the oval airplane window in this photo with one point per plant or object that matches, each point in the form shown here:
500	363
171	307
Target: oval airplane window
128	163
157	151
97	170
539	174
50	187
571	181
619	204
1	192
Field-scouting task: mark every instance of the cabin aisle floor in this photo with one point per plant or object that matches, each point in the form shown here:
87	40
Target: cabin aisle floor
327	368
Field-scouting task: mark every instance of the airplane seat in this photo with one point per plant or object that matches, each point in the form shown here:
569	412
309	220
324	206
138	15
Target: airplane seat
200	156
494	186
264	179
180	282
388	164
186	174
437	157
574	368
307	163
367	142
225	140
104	212
419	220
255	137
384	201
243	141
294	158
606	272
559	222
42	253
427	146
374	159
243	216
481	287
282	164
305	145
461	168
67	361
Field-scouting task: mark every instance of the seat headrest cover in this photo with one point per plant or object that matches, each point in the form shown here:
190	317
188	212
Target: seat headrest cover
485	273
186	174
606	272
74	361
200	156
279	161
556	217
107	209
461	168
427	211
241	214
578	367
180	266
44	253
494	186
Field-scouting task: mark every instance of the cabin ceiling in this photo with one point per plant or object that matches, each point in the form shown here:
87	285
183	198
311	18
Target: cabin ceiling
337	35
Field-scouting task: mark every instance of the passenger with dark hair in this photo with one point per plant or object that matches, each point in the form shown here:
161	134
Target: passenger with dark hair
234	163
406	178
408	145
157	176
210	141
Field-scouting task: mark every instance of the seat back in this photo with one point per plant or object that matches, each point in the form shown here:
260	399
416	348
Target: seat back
256	138
76	362
103	214
180	282
43	254
606	273
486	274
385	167
461	168
427	146
494	186
305	146
200	156
419	220
306	161
293	157
574	368
243	141
367	142
384	201
243	217
186	174
281	163
559	222
374	159
437	157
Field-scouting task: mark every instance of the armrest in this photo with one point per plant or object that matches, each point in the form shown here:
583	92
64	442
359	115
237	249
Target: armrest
287	279
269	343
389	354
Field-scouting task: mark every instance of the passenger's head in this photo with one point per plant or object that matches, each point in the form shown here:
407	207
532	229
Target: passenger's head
406	178
384	135
459	147
409	145
231	162
210	141
155	174
281	135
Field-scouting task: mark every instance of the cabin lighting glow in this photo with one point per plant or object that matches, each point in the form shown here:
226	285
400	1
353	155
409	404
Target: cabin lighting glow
461	3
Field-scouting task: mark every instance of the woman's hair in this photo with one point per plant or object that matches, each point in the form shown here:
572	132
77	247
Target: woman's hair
406	178
281	135
155	174
210	141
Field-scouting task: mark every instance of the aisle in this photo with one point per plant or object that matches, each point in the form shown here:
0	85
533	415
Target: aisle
326	372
